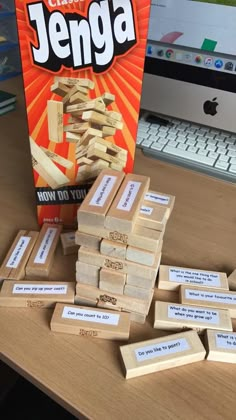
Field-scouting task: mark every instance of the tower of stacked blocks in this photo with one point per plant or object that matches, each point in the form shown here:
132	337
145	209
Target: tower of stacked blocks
121	224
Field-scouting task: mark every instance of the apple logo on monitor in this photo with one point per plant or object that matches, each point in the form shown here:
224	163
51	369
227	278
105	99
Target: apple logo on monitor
209	107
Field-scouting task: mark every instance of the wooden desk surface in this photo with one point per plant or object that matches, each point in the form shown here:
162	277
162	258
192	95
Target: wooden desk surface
85	375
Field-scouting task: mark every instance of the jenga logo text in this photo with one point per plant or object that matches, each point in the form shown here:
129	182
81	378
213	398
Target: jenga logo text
106	298
114	265
75	41
118	237
36	304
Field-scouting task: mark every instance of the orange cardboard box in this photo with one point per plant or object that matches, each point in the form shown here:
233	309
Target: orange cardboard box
82	66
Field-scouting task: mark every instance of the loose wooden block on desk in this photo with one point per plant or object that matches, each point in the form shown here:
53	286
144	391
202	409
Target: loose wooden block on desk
138	292
141	237
161	353
124	210
55	121
112	281
165	200
221	346
41	259
89	241
153	217
115	301
98	200
35	294
90	322
170	278
232	280
13	266
213	298
68	243
113	249
87	255
176	317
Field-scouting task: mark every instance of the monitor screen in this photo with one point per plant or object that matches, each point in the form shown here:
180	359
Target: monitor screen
190	66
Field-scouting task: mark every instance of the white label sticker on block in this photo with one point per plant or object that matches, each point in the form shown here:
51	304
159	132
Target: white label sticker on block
161	349
212	296
194	277
41	289
157	198
90	315
146	210
226	341
45	246
129	194
102	192
195	314
70	236
18	252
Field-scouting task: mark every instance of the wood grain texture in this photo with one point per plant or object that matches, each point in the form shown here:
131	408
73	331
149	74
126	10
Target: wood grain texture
205	390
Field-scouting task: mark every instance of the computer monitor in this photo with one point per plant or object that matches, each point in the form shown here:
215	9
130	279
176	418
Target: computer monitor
190	66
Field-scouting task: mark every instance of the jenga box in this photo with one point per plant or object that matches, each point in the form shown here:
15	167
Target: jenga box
82	63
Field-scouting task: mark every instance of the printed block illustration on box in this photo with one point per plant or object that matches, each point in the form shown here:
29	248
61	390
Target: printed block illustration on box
82	64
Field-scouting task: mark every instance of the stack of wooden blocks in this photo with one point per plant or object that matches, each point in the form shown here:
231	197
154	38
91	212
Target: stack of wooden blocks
90	122
120	234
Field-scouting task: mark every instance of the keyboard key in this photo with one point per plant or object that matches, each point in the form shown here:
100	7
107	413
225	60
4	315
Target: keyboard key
221	150
171	137
153	138
190	142
214	155
162	134
231	153
192	137
157	146
224	158
211	148
182	146
231	147
142	130
202	152
143	135
173	131
192	149
189	155
191	130
232	168
173	143
180	139
222	165
233	161
147	143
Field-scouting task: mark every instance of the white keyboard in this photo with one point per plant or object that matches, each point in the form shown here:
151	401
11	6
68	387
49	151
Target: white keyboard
190	145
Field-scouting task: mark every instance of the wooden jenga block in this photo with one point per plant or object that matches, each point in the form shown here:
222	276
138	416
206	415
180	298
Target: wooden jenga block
85	150
87	273
84	161
115	115
116	166
91	104
98	200
140	256
88	135
128	267
35	294
77	98
108	131
72	137
94	152
138	292
117	302
167	201
112	281
71	81
60	89
90	322
108	98
221	346
232	280
78	128
43	165
170	278
81	96
111	147
161	353
152	217
57	158
140	318
100	119
176	317
89	241
141	237
113	249
141	282
68	243
87	279
124	210
213	298
55	121
13	265
41	259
